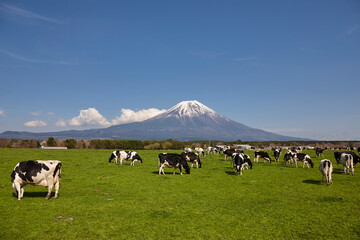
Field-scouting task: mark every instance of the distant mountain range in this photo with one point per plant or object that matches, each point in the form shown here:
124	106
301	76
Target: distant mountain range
186	121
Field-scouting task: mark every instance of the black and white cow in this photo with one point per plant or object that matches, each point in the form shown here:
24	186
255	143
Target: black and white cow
125	156
229	152
337	155
326	169
39	173
172	160
276	152
289	157
193	158
347	161
319	152
261	154
200	151
240	161
212	150
187	149
302	157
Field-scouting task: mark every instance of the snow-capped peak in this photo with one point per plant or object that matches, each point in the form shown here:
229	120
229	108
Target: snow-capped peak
189	109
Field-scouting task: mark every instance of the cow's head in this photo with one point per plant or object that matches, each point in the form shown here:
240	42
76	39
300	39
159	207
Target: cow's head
199	162
137	157
187	168
310	162
112	157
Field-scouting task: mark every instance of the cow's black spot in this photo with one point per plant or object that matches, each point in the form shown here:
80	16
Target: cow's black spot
29	169
57	168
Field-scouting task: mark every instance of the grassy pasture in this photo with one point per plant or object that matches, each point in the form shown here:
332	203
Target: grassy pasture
98	200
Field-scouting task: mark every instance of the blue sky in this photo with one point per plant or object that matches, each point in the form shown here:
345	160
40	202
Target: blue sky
290	67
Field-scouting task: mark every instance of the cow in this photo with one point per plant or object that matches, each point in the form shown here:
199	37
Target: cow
212	150
200	151
276	152
326	169
302	157
124	156
337	155
187	149
319	152
229	152
240	161
289	156
193	158
261	154
38	173
172	160
347	161
134	157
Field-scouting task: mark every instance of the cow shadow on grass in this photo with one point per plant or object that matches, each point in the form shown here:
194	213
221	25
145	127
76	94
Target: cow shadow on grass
34	195
169	173
312	181
230	172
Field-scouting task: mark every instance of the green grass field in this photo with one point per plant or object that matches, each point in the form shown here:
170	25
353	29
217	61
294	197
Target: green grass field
101	200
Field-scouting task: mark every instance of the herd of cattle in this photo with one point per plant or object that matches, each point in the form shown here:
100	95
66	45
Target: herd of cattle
48	173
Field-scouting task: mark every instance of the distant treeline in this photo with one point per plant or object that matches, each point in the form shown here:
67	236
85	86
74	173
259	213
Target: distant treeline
161	144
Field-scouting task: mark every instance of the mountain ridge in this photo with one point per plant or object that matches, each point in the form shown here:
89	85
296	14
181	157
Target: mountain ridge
186	121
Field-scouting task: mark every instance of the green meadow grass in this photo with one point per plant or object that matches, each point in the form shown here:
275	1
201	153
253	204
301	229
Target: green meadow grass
101	200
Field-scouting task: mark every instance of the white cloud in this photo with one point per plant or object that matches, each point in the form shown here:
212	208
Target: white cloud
36	123
128	115
2	113
26	14
245	58
60	123
90	116
35	113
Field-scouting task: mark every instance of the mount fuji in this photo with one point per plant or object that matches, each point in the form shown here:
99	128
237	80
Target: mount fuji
186	121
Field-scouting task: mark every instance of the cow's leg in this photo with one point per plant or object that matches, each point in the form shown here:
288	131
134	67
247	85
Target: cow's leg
352	168
192	164
50	187
17	189
57	186
22	190
197	164
175	170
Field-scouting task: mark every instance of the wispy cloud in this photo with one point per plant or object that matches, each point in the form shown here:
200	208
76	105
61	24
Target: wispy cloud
32	60
205	54
24	59
245	58
35	113
353	30
36	123
27	14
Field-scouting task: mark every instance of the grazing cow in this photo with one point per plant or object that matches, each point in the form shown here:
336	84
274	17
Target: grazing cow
134	157
172	160
124	156
261	154
337	155
326	169
319	152
302	157
347	161
229	152
39	173
212	150
289	156
187	149
277	152
193	158
240	161
358	150
200	151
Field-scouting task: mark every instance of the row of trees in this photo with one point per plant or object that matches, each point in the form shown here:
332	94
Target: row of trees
158	144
